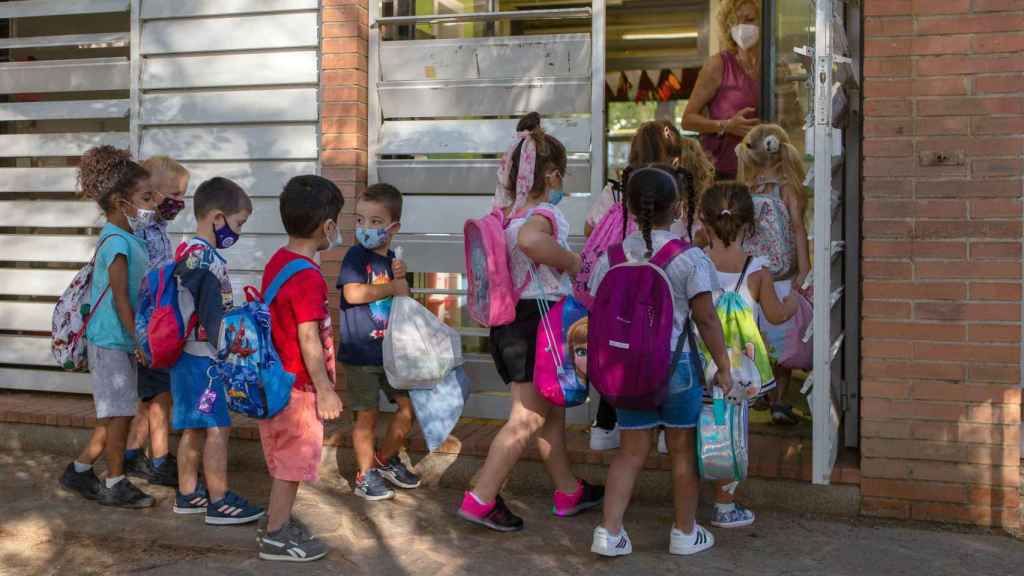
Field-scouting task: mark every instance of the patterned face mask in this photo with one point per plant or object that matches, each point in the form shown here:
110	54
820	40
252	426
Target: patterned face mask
372	238
170	208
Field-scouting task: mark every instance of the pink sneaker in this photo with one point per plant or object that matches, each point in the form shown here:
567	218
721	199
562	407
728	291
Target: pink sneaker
585	497
495	515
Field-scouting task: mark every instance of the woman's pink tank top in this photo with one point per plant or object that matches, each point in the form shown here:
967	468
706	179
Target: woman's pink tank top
736	92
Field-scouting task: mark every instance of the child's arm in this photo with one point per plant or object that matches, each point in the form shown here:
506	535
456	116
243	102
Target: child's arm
702	309
536	240
803	250
117	273
209	303
356	294
328	404
775	312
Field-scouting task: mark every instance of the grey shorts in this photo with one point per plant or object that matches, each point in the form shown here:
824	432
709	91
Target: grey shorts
115	382
363	385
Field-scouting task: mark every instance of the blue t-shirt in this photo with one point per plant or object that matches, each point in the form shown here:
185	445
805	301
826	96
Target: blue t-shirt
363	325
105	329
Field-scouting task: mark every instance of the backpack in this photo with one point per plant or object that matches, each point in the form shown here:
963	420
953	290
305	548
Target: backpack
610	230
165	317
559	374
722	452
247	363
71	317
798	353
751	367
630	357
419	349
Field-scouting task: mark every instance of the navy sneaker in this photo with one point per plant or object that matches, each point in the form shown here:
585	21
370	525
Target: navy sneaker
124	494
138	467
165	473
194	503
398	475
85	483
372	486
232	509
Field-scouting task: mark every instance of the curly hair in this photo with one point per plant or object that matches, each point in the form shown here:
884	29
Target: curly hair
701	170
726	19
652	194
728	210
550	154
107	174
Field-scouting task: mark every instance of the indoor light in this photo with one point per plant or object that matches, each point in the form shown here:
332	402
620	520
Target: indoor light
660	36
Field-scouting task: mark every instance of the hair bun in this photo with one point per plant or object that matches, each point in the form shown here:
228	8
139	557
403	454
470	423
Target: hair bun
772	144
529	123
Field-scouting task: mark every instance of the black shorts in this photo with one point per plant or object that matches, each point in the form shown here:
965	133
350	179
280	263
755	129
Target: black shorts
153	383
514	346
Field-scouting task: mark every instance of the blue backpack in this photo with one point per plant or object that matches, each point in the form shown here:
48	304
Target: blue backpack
247	362
164	317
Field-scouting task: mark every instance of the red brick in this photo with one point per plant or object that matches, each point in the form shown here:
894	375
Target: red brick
991	333
970	106
938	332
985	125
344	110
996	250
885	349
343	141
994	496
979	64
968	188
999	167
928	45
942	352
343	126
932	7
344	46
881	249
348	77
888	390
887	189
344	13
965	432
343	93
993	373
351	61
344	157
947	209
962	392
966	270
970	24
990	43
888	148
974	147
889	167
998	455
884	429
915	290
999	84
345	29
997	5
888	209
923	250
935	229
885	309
887	67
896	26
909	490
939	87
1006	291
884	507
943	126
897	370
887	7
875	127
887	270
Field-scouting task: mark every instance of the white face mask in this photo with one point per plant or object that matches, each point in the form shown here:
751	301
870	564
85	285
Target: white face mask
745	35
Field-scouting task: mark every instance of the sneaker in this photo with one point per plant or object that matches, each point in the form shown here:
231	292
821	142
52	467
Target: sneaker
292	543
86	484
164	474
138	467
662	443
497	516
587	496
194	503
371	486
124	494
607	545
738	517
398	475
687	544
602	439
232	509
783	414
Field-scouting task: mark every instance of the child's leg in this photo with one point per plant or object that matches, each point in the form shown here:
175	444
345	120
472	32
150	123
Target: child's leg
398	430
188	460
139	428
628	463
117	435
282	499
527	417
94	448
685	483
725	493
158	416
215	461
363	439
782	378
551	445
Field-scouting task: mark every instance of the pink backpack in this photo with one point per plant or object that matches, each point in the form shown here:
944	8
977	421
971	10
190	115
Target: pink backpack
630	358
797	354
560	365
609	231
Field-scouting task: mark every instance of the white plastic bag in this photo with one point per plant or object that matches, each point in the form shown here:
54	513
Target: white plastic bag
419	349
438	410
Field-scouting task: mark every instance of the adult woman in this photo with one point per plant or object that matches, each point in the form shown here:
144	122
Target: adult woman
724	104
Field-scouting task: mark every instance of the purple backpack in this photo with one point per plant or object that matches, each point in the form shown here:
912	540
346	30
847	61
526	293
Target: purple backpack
630	357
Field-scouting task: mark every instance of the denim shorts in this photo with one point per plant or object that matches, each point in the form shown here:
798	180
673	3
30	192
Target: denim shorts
680	410
190	377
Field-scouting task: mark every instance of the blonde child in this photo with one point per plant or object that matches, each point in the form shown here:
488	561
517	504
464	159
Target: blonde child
530	179
656	197
774	171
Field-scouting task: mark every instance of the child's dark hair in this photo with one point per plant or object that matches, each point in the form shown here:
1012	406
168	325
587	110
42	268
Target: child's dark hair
387	196
220	194
307	202
655	142
728	210
651	195
107	174
550	154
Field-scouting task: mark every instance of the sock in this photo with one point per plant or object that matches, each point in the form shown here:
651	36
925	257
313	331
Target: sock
111	482
579	487
724	508
158	461
81	468
131	453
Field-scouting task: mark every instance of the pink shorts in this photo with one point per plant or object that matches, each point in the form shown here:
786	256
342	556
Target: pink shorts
294	439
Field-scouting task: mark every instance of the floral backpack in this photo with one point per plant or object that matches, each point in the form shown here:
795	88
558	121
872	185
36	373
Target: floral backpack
71	317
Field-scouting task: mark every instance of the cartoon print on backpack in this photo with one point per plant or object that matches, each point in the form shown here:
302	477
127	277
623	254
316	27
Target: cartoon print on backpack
577	343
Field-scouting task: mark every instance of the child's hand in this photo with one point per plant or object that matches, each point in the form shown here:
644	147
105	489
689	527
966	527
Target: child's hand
140	357
398	267
798	280
328	404
723	380
401	287
577	264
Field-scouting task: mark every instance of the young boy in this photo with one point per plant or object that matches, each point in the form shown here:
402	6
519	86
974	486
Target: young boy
169	181
199	403
370	276
301	327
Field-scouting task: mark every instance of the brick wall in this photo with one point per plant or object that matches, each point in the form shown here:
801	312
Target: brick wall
942	259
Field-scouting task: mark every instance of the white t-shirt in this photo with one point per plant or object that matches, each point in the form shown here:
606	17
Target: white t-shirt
550	284
606	199
728	280
690	274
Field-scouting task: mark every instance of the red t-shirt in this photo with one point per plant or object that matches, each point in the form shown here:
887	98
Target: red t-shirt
303	298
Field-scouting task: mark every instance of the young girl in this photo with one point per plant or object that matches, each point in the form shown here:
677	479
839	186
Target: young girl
774	171
655	197
121	188
727	214
529	182
169	181
695	162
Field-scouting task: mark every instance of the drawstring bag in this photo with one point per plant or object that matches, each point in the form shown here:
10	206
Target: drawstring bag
419	349
797	354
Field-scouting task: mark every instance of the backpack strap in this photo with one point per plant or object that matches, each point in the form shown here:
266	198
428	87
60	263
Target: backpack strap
743	274
686	336
290	269
668	252
616	255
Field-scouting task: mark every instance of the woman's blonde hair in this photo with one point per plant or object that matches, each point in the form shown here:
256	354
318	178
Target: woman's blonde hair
765	147
726	19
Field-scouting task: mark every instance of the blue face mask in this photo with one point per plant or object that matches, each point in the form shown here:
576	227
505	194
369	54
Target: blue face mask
226	237
555	196
372	238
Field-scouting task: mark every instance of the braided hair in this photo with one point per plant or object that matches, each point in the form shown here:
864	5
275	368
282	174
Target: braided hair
652	194
690	189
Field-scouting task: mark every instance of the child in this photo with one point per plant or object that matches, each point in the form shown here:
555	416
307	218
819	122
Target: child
774	171
654	199
727	212
121	188
168	180
530	178
701	171
199	405
370	277
301	325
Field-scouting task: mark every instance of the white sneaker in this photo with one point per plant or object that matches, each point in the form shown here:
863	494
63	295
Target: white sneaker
687	544
601	439
662	443
607	545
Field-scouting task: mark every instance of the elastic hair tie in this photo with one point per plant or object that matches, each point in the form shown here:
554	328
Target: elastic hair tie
725	212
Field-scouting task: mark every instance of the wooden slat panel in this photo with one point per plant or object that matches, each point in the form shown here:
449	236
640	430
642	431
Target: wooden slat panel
42	248
28	350
38	179
63	110
32	316
65	75
34	282
17	145
448	214
292	67
282	105
50	214
233	143
261	178
45	380
473	136
104	40
181	8
484	98
501	57
298	30
463	176
265	218
31	8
